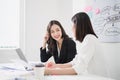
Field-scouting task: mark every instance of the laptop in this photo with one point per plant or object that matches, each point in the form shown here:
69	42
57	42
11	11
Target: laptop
23	60
21	55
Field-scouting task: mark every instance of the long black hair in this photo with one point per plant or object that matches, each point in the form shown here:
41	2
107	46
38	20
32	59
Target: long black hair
51	42
82	25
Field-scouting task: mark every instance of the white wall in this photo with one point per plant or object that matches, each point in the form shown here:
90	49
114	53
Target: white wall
9	24
22	26
112	53
9	29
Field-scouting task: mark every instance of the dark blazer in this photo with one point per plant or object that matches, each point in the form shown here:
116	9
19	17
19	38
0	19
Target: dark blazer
67	53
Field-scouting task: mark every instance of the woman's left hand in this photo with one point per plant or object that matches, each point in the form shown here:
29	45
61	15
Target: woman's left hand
50	65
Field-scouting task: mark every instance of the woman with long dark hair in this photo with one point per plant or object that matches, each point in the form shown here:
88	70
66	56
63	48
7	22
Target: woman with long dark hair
60	46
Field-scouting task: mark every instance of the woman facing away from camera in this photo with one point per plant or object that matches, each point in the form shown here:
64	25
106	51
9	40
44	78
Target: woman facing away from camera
60	46
84	33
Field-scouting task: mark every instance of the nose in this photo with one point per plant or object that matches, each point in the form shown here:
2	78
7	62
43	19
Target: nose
55	33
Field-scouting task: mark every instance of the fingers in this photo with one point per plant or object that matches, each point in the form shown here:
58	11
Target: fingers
46	36
49	65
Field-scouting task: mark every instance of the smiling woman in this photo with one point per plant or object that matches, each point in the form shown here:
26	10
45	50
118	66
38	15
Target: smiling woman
60	46
9	23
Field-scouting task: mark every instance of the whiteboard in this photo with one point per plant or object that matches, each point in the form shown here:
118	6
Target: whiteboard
105	17
9	24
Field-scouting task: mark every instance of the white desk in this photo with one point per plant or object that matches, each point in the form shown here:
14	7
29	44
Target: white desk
25	75
29	75
76	77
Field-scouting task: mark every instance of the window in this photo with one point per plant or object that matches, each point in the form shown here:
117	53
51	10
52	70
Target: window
9	23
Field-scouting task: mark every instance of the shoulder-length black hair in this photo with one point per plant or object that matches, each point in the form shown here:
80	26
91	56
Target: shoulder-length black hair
51	42
82	26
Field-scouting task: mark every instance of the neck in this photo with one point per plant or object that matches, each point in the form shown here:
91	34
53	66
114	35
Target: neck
60	41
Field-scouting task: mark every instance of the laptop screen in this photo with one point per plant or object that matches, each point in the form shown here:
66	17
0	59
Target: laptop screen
21	55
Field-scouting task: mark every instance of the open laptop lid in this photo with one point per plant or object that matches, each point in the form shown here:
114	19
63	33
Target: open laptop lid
24	61
21	55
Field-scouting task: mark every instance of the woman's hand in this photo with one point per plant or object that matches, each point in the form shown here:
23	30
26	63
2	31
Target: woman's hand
50	65
46	37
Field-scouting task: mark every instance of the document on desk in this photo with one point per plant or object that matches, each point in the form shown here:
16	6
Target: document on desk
13	74
12	71
11	66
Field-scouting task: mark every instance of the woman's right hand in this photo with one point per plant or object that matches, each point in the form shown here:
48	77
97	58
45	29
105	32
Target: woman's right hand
46	37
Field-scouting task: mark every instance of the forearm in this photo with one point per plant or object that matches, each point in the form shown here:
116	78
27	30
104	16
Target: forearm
66	65
44	56
60	71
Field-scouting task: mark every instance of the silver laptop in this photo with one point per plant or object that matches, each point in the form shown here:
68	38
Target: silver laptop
25	62
21	55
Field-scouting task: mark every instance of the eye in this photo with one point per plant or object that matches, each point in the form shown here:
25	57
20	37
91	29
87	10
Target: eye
57	30
52	31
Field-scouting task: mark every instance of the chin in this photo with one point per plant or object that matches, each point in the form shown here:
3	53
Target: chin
57	39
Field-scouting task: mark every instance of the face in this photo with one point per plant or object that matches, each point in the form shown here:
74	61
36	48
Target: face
73	29
56	32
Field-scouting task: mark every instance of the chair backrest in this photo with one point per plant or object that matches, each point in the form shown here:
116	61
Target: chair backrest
98	63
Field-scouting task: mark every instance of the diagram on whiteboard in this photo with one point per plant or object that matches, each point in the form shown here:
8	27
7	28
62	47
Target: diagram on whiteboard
105	16
107	22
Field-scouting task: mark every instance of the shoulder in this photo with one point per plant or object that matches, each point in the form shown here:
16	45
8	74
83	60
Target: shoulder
69	41
90	38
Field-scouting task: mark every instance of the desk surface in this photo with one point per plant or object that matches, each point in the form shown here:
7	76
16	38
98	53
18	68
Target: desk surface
29	75
76	77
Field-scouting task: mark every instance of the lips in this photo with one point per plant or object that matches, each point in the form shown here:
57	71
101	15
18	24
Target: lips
56	37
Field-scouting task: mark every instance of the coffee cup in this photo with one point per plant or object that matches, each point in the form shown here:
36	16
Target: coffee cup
39	72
